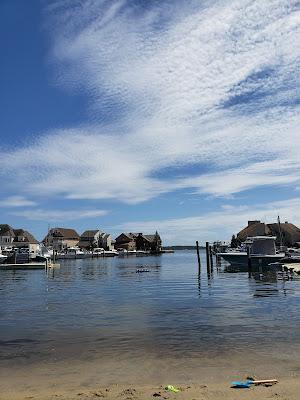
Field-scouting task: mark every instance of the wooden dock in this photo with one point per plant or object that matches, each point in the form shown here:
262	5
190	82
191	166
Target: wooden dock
25	266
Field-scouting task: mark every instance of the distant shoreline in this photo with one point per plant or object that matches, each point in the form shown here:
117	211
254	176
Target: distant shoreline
179	247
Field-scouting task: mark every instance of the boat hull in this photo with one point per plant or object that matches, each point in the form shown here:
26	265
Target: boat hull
257	260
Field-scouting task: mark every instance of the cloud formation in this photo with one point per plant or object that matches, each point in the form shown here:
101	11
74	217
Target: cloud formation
218	225
16	201
212	87
58	215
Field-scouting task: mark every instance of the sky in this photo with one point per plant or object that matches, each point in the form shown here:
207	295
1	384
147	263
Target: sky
181	116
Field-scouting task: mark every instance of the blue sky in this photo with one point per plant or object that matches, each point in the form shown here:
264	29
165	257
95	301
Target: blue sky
137	115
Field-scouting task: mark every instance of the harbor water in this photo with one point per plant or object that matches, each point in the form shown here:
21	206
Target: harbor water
102	312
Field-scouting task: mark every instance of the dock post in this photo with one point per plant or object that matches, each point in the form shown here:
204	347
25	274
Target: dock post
249	262
198	256
53	256
207	258
211	259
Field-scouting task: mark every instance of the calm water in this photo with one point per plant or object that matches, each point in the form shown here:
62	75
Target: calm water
102	307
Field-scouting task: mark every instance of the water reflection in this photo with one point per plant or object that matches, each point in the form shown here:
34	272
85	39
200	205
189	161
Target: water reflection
93	307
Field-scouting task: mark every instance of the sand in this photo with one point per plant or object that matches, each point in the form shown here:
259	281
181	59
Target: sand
286	389
199	378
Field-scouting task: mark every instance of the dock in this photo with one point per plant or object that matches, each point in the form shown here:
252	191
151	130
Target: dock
24	266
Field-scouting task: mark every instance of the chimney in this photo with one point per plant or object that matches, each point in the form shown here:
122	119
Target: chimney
253	222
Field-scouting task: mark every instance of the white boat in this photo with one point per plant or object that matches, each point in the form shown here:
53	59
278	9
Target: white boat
71	253
262	252
110	253
98	251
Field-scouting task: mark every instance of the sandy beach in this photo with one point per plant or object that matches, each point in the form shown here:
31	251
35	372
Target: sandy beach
286	389
198	378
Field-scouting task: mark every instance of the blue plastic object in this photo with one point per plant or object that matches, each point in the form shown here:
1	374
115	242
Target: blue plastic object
241	385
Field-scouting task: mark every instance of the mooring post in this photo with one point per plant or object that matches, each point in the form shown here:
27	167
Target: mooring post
53	256
198	256
211	258
249	262
207	258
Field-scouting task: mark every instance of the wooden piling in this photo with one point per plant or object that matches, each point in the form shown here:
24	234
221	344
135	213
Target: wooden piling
249	262
211	258
198	256
207	258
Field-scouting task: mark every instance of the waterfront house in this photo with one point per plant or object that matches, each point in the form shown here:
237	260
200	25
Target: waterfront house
6	236
151	243
139	241
126	241
254	228
25	240
61	238
91	239
106	241
290	233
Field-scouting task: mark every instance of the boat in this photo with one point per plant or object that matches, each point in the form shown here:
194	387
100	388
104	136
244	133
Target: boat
110	253
98	251
71	253
262	252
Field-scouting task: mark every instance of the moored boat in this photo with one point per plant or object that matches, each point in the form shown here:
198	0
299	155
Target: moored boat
262	252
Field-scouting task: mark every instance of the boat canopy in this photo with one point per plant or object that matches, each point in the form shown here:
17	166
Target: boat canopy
263	245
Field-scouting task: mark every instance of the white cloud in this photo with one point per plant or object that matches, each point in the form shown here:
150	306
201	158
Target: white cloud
16	201
58	215
213	85
218	225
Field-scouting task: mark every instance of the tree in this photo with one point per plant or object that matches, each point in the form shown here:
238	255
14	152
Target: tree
234	242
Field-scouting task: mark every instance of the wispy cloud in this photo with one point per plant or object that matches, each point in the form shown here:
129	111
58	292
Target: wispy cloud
58	215
16	201
214	86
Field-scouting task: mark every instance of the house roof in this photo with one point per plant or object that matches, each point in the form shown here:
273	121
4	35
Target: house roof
130	235
256	228
89	234
29	238
287	229
65	233
6	229
150	238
